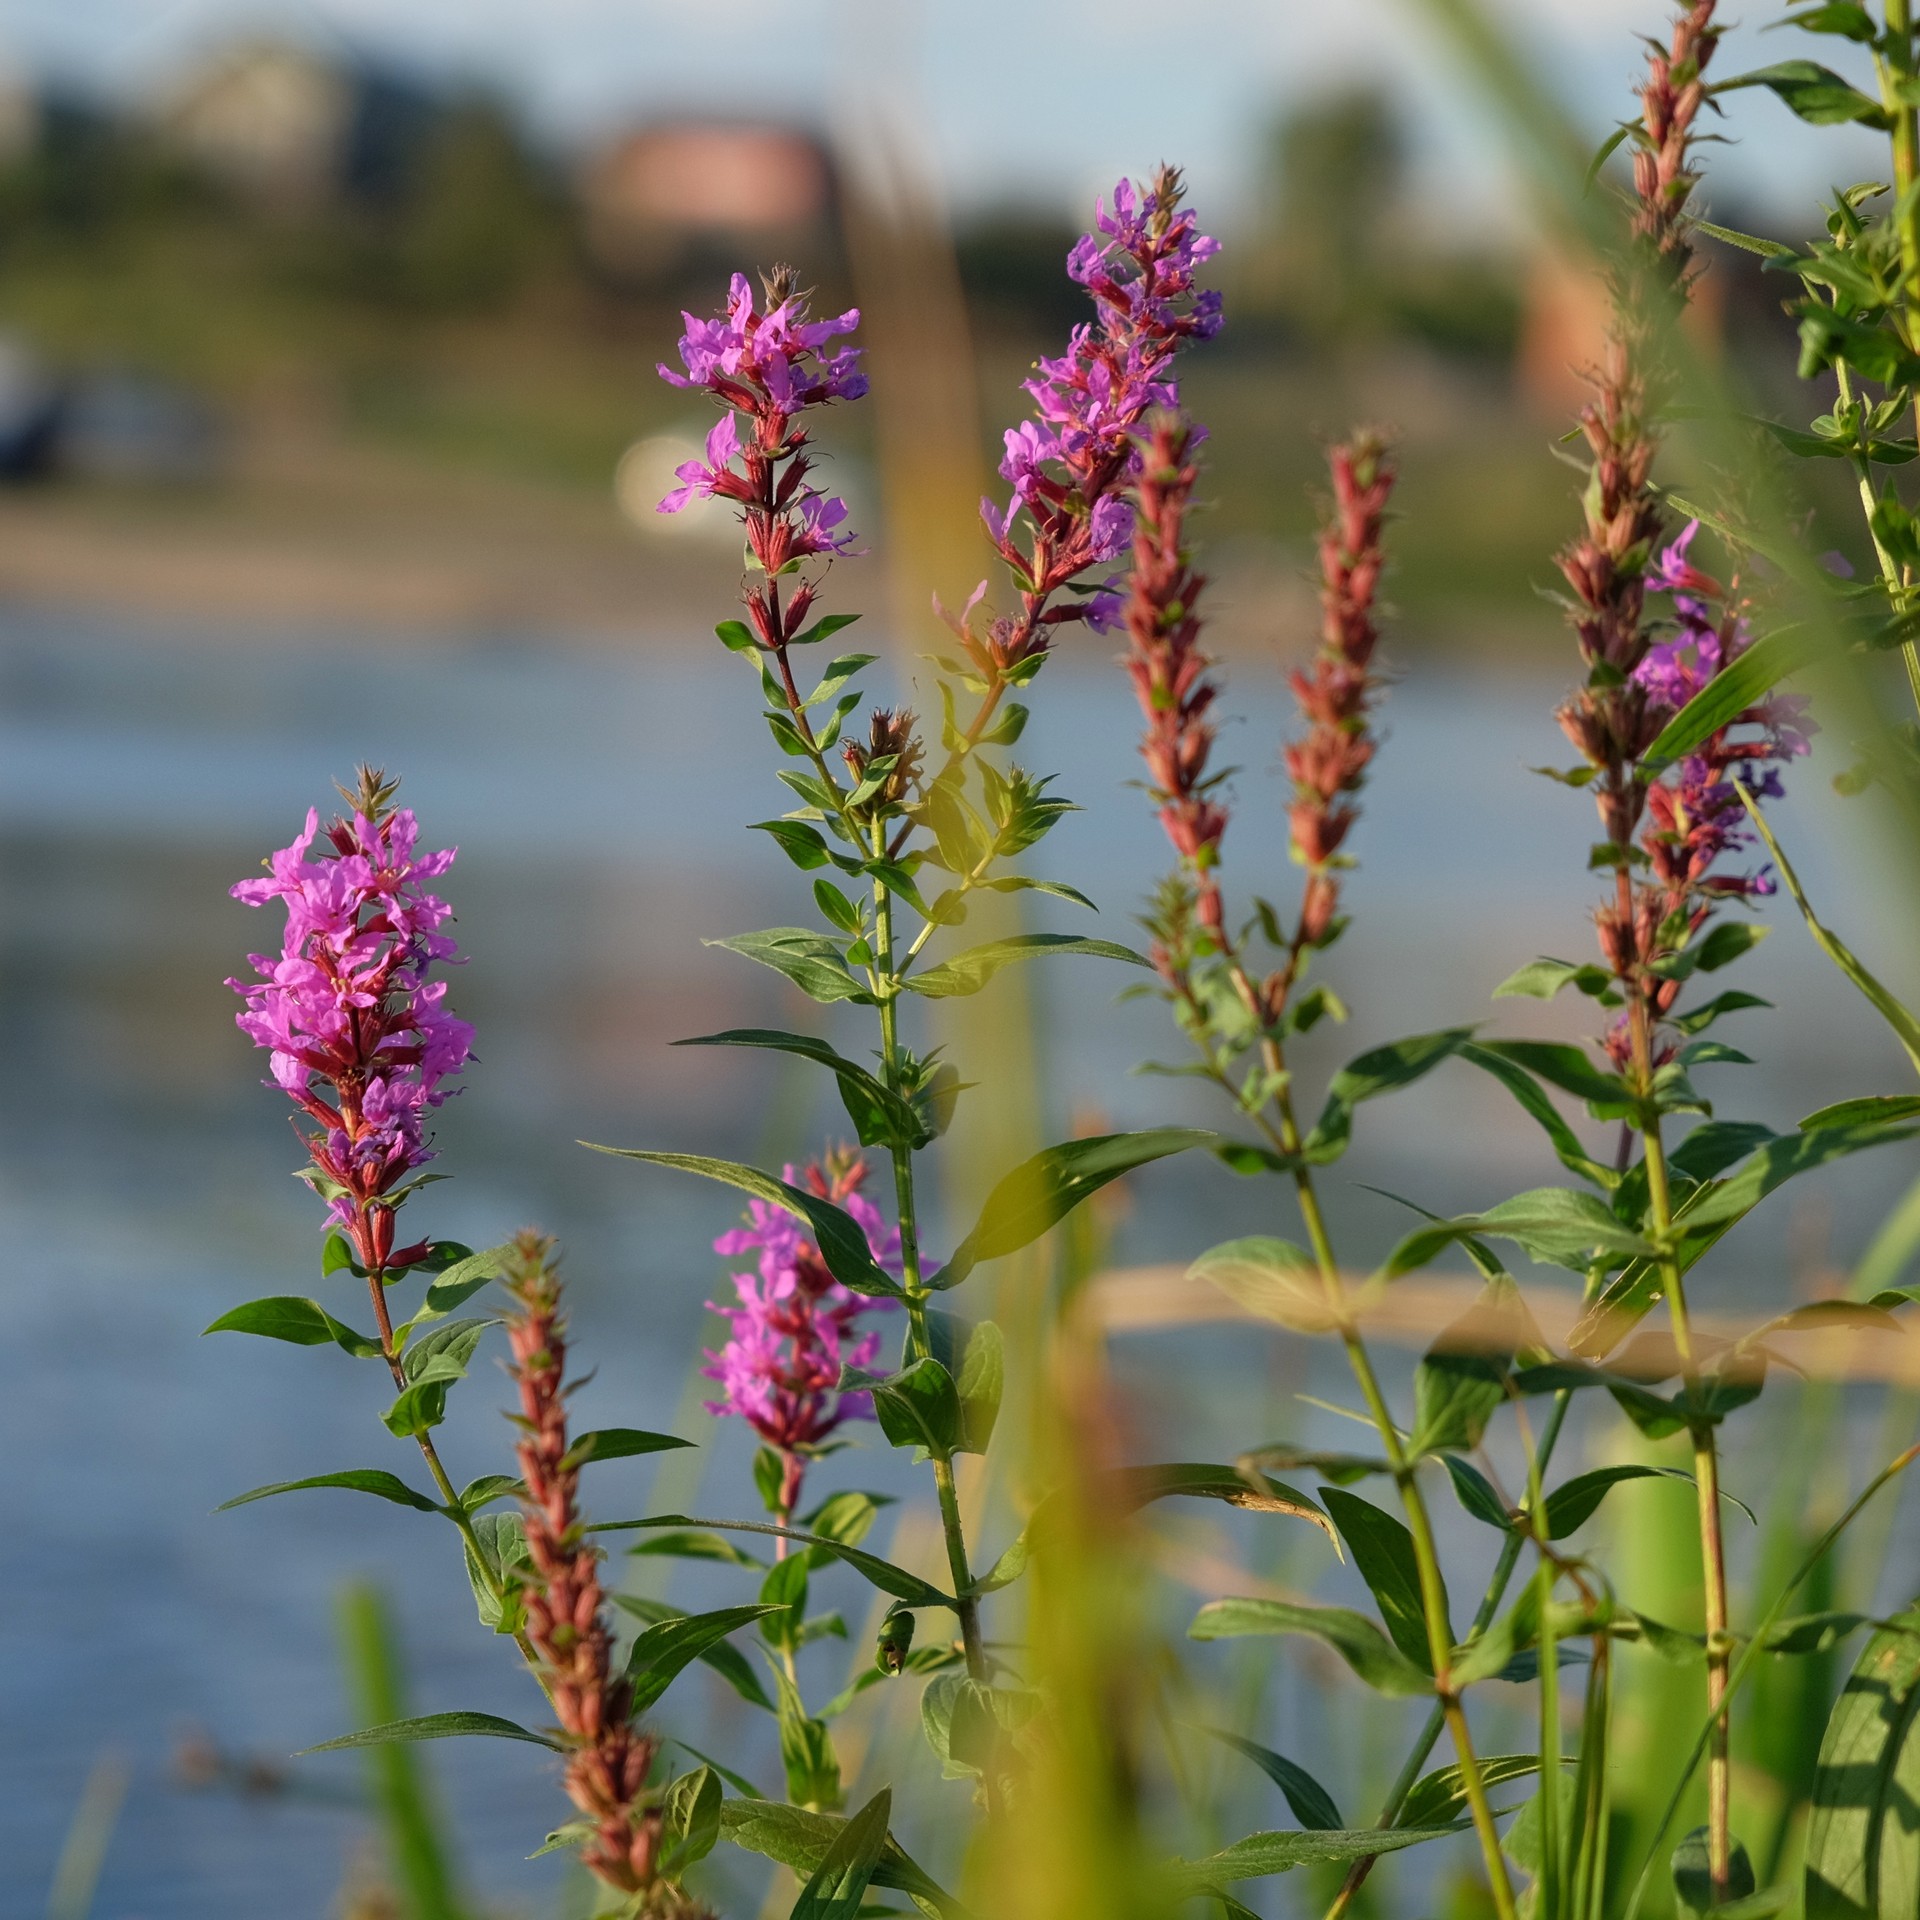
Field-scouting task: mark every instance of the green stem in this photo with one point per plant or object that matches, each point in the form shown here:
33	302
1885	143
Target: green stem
454	1509
1433	1601
1898	585
1706	1473
918	1344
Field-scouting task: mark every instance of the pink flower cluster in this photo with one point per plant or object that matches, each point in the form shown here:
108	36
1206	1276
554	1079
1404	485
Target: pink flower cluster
795	1326
358	1036
1069	466
770	366
1696	816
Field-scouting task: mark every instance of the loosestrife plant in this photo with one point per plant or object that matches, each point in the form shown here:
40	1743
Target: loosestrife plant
837	1322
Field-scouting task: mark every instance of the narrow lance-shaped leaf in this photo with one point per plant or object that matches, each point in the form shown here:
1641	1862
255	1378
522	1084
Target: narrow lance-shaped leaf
879	1115
374	1480
434	1726
660	1653
1352	1635
1730	693
968	972
839	1883
1041	1192
1367	1076
1383	1551
1311	1803
842	1243
303	1323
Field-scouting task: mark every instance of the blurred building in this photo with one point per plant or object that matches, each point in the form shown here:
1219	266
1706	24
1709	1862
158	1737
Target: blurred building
650	197
293	129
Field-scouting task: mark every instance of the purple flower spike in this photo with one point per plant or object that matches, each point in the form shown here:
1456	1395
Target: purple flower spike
357	1035
792	1326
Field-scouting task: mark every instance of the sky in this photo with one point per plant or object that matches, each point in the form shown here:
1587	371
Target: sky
1042	101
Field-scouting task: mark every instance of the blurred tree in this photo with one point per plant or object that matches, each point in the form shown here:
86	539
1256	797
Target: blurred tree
1012	266
1337	257
481	214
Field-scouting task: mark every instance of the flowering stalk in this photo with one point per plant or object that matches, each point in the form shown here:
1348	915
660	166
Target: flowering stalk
1193	946
608	1757
1635	685
1070	467
359	1037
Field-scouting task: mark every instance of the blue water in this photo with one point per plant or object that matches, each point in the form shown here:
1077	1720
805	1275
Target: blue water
598	800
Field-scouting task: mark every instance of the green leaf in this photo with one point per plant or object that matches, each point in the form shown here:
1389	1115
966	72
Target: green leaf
810	960
1906	1028
799	1838
880	1116
1731	692
1569	1068
456	1284
434	1726
1352	1635
823	628
1542	979
691	1823
843	1245
1260	1854
1476	1492
1559	1225
374	1480
495	1559
431	1365
1533	1099
982	1379
725	1660
1873	1109
1382	1549
1271	1278
1843	17
1863	1850
619	1443
1813	93
968	972
1461	1380
839	1883
659	1654
1573	1503
304	1323
882	1573
699	1546
805	846
1784	1159
1440	1797
1312	1805
737	637
784	1595
1042	1191
1379	1070
917	1407
1692	1866
1746	242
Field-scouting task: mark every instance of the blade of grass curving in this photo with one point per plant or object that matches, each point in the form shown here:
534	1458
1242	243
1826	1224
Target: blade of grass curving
1754	1647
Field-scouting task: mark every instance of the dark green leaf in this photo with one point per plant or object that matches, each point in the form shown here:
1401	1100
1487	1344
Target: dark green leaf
1869	1110
783	1593
1569	1068
1783	1159
882	1573
434	1726
1814	93
1533	1099
691	1820
880	1116
843	1245
802	844
1476	1492
968	972
1461	1380
798	1838
1572	1504
1311	1803
1440	1797
1731	692
1382	1549
619	1443
1542	979
810	960
305	1323
698	1546
1693	1884
374	1480
839	1883
917	1407
1352	1635
727	1661
659	1654
1380	1070
1260	1854
1044	1190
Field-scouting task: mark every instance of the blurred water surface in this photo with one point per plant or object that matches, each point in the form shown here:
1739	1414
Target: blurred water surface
598	800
